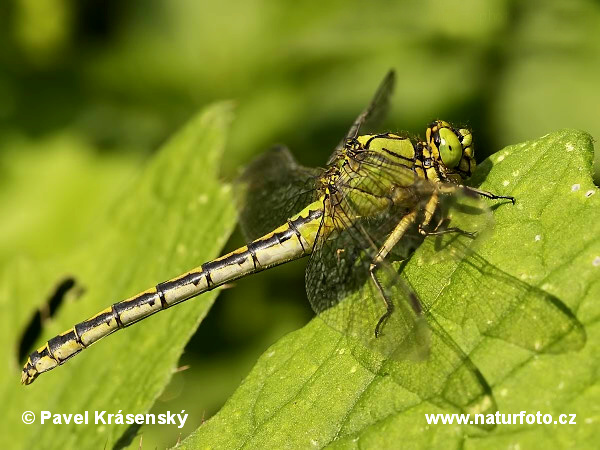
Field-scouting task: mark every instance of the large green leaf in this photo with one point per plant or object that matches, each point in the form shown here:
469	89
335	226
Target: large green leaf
176	216
309	389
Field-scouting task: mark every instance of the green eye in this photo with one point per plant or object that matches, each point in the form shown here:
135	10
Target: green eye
450	148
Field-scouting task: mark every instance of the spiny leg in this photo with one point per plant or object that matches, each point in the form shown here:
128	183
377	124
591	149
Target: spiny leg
470	234
389	306
394	237
490	195
450	189
453	188
439	232
430	208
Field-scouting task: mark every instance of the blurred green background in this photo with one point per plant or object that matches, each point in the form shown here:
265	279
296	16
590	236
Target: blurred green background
90	89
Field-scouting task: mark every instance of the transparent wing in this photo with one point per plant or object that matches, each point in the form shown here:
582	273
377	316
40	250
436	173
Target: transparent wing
271	189
422	357
274	186
498	304
375	112
378	174
459	289
336	274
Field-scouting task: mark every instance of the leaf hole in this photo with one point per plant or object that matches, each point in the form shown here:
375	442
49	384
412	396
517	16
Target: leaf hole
46	311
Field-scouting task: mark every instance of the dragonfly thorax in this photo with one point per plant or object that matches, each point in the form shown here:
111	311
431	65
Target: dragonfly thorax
376	171
371	174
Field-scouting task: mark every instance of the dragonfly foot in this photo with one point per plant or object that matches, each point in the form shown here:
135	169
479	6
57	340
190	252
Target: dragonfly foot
382	321
437	232
489	195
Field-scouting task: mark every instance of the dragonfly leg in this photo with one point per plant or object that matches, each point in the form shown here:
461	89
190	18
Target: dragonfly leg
389	306
479	192
470	234
438	231
430	208
490	195
394	237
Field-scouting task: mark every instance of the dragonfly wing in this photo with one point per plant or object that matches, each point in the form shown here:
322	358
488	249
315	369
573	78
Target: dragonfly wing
336	276
374	113
521	314
420	355
499	304
271	189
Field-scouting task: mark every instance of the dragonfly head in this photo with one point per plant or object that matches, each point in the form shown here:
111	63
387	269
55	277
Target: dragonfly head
452	147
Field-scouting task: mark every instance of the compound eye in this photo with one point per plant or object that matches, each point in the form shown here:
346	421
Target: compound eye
451	149
466	138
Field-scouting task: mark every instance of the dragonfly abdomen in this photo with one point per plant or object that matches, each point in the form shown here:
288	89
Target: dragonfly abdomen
290	241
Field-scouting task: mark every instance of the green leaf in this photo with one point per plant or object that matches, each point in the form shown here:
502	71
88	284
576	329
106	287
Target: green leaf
176	216
310	390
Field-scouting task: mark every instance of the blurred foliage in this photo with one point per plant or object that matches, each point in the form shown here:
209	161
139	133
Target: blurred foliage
130	73
129	374
89	89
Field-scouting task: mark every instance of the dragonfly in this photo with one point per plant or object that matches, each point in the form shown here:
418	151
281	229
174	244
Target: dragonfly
377	196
